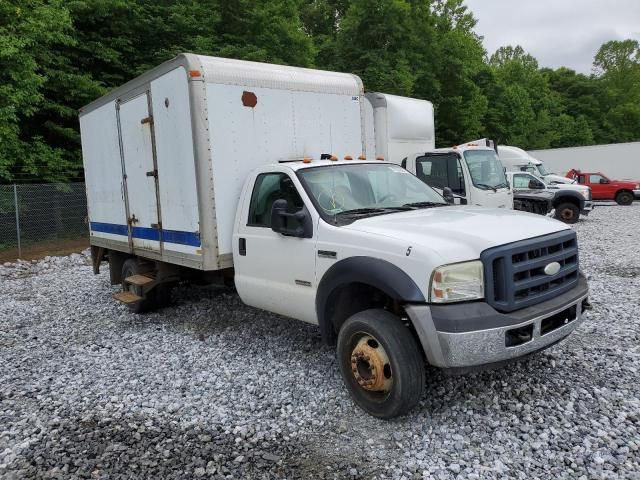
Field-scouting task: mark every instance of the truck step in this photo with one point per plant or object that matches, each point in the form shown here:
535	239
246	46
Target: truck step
127	297
138	280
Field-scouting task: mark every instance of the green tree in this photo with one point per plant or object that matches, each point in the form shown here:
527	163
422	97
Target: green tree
617	66
29	30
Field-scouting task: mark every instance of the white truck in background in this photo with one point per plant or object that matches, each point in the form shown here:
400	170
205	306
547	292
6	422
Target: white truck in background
517	159
570	199
213	169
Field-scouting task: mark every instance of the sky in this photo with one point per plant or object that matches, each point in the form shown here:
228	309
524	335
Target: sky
557	32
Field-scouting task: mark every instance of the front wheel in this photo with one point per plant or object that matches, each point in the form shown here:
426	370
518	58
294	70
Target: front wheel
381	363
624	198
567	212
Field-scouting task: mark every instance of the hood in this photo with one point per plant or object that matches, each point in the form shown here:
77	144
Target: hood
459	233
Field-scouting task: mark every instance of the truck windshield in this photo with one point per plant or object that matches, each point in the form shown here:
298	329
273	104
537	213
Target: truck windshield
542	170
366	189
485	169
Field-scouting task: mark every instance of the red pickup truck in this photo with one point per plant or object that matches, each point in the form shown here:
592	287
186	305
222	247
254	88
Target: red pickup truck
602	188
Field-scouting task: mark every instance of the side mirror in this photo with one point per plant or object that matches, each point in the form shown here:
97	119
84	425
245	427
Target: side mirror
534	185
447	193
604	180
296	224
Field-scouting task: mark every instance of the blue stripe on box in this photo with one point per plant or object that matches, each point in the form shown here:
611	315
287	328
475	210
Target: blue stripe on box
168	236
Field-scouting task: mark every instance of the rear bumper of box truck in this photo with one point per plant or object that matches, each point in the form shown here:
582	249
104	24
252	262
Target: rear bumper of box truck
474	334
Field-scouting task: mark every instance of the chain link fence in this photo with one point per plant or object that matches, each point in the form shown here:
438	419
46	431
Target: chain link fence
46	218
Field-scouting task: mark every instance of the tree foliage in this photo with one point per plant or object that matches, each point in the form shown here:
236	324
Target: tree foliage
56	56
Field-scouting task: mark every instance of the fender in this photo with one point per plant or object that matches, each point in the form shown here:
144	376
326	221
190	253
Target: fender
569	195
378	273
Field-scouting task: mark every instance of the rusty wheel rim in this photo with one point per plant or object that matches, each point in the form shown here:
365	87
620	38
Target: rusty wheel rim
370	365
566	214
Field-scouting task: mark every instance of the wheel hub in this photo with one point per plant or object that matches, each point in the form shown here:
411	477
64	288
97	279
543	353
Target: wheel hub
370	365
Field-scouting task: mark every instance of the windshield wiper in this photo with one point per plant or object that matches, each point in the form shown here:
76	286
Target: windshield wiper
425	204
501	185
486	187
368	210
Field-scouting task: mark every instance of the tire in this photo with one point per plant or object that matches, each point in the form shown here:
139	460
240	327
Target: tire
567	212
624	198
366	341
132	267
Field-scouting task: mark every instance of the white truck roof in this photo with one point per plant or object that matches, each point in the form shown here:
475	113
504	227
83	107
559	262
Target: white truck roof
240	72
398	126
511	156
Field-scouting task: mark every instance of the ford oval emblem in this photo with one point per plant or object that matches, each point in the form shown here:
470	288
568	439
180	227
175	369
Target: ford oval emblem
552	268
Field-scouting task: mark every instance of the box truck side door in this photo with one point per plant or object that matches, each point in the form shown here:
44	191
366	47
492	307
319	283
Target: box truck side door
273	271
136	134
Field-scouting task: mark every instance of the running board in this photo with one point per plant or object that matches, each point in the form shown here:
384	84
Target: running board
127	297
138	280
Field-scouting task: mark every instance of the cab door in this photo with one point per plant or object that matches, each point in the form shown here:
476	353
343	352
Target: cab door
275	272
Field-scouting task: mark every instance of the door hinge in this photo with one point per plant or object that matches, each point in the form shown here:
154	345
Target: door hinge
153	173
148	120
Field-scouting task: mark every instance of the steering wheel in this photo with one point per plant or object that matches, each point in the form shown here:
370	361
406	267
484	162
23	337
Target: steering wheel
331	202
389	196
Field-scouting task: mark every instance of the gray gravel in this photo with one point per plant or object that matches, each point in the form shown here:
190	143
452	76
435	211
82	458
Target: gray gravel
210	388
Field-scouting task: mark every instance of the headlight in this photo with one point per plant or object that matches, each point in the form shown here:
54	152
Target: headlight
457	282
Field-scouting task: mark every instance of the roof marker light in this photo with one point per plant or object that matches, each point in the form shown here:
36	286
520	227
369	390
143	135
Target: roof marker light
362	157
195	73
348	157
333	158
380	157
306	160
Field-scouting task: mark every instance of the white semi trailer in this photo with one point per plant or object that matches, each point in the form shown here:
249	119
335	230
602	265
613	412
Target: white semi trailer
617	160
215	169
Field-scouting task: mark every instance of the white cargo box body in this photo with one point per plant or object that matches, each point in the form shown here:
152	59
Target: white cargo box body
397	127
166	154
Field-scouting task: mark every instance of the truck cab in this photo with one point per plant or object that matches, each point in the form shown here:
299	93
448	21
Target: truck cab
566	200
473	173
603	188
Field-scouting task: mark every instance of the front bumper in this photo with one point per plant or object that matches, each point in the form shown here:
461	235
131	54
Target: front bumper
588	207
636	193
474	334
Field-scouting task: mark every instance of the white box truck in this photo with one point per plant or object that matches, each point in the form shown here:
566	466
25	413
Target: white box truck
211	169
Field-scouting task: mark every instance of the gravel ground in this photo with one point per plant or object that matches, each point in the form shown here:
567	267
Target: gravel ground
211	388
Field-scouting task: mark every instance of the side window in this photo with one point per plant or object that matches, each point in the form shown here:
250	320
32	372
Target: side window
521	181
268	188
595	178
403	163
580	178
441	171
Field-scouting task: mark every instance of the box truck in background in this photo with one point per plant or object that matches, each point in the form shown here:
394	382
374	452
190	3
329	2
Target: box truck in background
216	170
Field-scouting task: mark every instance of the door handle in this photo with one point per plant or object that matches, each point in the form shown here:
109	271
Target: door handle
242	246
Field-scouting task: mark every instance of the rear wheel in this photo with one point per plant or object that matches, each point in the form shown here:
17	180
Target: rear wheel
132	267
624	198
381	363
567	212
